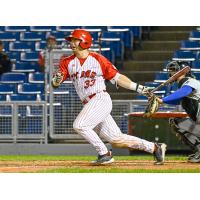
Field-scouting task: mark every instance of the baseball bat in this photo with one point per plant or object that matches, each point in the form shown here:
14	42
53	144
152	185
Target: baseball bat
183	71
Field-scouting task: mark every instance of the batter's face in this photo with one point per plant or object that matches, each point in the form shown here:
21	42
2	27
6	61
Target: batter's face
74	45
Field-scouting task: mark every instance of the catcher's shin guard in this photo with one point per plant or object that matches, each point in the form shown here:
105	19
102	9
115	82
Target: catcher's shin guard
187	138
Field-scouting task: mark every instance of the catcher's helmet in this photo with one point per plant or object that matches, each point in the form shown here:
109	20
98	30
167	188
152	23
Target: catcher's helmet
175	66
83	35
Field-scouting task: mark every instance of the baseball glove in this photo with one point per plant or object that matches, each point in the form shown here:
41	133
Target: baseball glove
152	107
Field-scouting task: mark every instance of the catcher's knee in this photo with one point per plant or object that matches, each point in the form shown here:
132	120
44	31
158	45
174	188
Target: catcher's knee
173	124
184	136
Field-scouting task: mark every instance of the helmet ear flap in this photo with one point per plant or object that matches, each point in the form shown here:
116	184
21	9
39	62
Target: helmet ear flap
84	44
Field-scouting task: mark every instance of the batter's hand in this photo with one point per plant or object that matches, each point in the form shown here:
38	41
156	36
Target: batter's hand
57	79
145	91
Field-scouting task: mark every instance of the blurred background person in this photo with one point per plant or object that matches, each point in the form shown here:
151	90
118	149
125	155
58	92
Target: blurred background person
51	44
5	62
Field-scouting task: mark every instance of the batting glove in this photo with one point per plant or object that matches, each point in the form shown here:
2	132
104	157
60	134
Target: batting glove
57	79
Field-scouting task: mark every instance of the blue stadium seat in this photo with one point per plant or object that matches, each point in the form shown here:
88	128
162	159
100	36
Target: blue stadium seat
7	88
161	76
198	55
29	56
66	28
9	36
137	31
111	35
95	28
3	97
2	28
23	97
43	28
17	28
39	46
141	97
11	77
95	36
152	85
36	77
42	97
109	54
22	46
116	45
33	36
196	65
95	44
172	88
25	67
6	46
60	36
31	88
184	55
194	35
161	92
14	55
197	75
190	45
125	33
114	41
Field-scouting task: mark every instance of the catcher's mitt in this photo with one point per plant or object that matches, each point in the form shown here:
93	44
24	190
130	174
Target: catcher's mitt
152	107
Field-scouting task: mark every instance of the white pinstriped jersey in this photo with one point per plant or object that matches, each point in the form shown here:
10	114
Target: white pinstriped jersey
88	75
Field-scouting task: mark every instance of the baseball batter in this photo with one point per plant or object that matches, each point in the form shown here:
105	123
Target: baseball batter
188	95
88	72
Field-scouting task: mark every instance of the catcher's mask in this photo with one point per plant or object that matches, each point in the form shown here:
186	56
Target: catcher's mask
83	35
174	66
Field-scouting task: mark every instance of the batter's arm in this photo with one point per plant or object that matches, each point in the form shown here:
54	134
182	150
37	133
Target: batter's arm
125	82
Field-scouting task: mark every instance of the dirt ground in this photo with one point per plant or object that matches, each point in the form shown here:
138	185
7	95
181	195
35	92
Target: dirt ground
36	166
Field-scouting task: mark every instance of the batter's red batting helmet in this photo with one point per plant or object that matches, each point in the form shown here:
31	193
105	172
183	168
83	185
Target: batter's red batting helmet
83	35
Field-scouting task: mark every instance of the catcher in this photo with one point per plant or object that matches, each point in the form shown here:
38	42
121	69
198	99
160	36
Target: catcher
188	96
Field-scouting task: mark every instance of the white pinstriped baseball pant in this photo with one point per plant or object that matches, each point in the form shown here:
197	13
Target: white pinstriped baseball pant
95	119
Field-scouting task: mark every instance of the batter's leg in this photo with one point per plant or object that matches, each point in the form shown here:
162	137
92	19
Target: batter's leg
109	130
93	113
